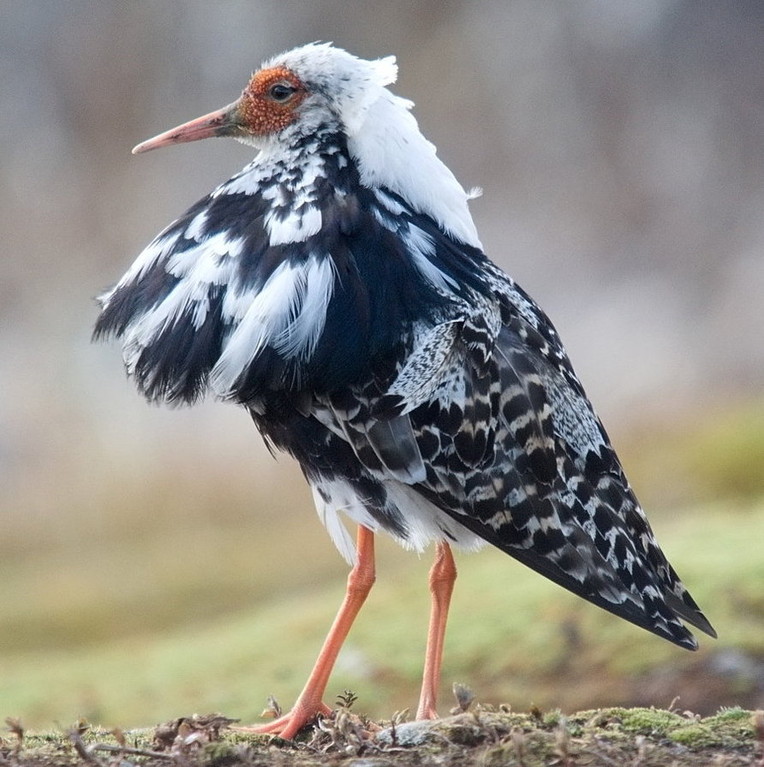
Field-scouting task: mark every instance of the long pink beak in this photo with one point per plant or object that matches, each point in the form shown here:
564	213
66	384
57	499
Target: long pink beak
223	122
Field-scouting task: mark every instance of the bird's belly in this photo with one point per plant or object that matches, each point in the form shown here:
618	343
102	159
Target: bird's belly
391	507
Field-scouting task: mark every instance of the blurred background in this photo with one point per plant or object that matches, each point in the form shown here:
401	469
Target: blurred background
155	562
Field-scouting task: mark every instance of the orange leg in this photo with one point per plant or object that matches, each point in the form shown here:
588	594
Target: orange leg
310	702
442	577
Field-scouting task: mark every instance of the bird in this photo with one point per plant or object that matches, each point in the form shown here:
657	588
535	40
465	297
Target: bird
337	289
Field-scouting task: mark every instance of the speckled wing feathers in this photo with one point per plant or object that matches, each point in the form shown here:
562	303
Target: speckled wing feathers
514	453
421	390
553	493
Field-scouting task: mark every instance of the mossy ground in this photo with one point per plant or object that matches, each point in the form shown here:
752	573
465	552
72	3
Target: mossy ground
489	738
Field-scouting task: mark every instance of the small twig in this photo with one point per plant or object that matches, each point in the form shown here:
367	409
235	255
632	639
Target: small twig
133	751
519	741
399	717
87	752
562	743
75	736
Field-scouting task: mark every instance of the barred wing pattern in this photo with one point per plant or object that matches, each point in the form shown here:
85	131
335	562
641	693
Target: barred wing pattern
511	449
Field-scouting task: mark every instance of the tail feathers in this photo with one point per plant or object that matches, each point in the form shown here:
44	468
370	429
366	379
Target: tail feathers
685	608
659	614
575	563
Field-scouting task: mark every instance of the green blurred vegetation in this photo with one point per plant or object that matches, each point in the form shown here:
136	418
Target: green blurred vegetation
222	597
712	453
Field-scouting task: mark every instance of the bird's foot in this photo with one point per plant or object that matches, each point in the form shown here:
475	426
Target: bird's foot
426	707
288	725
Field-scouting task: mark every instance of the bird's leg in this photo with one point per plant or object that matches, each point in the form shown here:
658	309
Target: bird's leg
310	701
442	577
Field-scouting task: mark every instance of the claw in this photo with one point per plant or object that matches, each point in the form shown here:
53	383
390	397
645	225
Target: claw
288	725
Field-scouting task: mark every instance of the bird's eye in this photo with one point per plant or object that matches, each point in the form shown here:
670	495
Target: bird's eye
281	92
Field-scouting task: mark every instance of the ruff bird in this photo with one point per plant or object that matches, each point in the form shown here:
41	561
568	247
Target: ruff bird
336	288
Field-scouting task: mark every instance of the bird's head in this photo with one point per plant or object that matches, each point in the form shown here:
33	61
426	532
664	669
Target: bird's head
293	95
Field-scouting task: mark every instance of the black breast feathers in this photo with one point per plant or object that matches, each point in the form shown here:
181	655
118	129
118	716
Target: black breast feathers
289	276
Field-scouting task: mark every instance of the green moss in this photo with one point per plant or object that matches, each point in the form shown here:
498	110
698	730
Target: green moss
730	728
220	754
696	736
551	718
731	716
648	721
